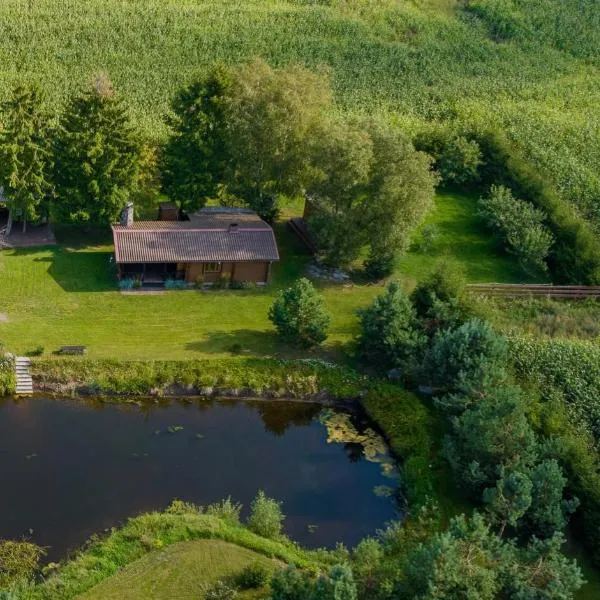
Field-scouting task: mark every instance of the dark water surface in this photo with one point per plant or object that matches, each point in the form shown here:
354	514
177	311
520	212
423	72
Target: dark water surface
71	469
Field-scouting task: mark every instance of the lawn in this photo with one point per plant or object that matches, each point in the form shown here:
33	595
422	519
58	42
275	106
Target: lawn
66	294
178	571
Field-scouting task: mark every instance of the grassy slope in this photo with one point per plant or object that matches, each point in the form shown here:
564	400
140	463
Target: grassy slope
421	59
65	295
178	571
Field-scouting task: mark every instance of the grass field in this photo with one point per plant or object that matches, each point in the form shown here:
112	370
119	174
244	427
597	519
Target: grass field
66	294
530	67
179	571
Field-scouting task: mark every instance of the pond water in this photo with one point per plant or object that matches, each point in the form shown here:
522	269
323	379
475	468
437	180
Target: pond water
70	469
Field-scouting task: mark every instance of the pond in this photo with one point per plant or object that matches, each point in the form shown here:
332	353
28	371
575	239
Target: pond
70	469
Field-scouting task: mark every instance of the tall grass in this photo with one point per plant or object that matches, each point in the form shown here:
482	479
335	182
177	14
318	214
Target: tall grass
527	66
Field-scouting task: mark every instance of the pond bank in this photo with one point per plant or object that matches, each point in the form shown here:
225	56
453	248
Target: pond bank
406	423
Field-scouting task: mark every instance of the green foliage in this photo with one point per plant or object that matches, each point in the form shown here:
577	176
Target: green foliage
298	315
390	334
494	433
439	299
18	561
467	359
97	157
253	576
266	518
220	591
226	510
371	189
8	381
457	158
520	226
338	584
25	157
291	584
271	114
195	155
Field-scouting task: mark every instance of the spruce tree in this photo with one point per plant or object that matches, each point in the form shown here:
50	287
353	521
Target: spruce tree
195	156
97	156
25	159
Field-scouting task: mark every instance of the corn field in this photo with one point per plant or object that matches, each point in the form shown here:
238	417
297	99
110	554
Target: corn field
527	66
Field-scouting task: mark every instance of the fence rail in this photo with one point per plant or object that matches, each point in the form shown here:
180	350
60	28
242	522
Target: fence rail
515	290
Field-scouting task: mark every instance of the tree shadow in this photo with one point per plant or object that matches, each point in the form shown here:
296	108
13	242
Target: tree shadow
256	343
75	271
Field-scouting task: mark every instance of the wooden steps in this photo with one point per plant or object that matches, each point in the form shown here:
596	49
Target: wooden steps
515	290
24	379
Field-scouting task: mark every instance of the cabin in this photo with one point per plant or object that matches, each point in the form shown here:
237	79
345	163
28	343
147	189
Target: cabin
216	243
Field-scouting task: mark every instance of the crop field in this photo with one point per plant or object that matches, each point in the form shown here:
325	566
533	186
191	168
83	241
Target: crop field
527	66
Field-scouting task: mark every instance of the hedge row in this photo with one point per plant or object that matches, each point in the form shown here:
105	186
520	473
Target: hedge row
8	381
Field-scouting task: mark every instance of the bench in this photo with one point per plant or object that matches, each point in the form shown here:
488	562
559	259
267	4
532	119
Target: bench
73	350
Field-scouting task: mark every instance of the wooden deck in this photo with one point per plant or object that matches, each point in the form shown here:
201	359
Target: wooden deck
515	290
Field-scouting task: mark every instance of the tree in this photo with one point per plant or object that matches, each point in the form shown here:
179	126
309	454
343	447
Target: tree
439	299
195	156
390	334
271	116
509	500
97	156
493	434
457	158
550	512
468	359
25	157
400	192
337	585
458	564
266	517
291	584
342	155
298	315
521	226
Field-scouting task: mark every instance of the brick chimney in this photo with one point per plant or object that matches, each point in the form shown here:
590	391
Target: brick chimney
127	215
233	227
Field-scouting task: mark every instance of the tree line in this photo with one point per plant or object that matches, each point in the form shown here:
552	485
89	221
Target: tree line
246	136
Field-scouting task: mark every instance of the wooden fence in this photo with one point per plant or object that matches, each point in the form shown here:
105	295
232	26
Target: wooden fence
516	290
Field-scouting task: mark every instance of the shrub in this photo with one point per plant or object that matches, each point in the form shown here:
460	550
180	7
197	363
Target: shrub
520	226
18	561
126	284
468	359
298	315
254	576
291	584
220	591
266	518
456	157
176	284
37	351
227	510
390	334
8	381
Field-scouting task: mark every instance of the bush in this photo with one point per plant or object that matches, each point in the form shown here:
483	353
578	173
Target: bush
220	591
520	225
254	576
226	510
18	561
266	518
291	584
298	315
8	380
456	157
176	284
380	266
126	284
390	334
37	351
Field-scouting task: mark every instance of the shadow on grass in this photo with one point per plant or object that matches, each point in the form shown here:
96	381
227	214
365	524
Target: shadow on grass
75	271
254	343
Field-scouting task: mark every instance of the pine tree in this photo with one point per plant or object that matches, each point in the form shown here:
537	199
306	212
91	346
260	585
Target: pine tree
25	160
97	156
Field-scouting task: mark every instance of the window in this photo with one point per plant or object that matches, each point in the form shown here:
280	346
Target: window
213	267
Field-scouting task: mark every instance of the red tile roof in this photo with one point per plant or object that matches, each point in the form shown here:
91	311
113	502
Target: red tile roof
206	237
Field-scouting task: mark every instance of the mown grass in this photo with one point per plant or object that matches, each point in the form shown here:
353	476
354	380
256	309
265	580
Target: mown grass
180	571
528	67
67	295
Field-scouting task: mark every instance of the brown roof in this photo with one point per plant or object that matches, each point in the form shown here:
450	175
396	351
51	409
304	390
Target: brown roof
206	237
